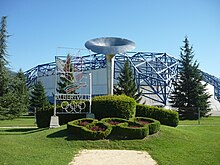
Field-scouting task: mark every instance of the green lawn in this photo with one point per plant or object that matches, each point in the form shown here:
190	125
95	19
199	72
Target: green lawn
23	121
212	120
182	145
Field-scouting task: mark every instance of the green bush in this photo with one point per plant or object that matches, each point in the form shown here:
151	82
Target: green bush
43	117
91	131
165	116
112	128
114	121
154	125
131	130
125	129
120	106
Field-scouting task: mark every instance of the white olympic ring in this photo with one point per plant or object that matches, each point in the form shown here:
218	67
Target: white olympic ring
73	106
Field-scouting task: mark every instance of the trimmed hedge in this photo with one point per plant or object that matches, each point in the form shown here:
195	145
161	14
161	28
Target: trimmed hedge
131	130
112	128
165	116
114	121
154	125
120	106
43	117
93	131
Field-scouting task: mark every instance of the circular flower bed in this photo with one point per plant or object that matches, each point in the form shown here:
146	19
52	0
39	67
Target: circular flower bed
154	125
88	129
115	128
131	130
114	121
98	130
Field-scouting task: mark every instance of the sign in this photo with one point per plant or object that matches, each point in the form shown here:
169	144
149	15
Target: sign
73	89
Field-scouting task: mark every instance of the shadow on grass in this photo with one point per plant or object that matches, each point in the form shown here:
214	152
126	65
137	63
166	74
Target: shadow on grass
20	131
58	134
63	134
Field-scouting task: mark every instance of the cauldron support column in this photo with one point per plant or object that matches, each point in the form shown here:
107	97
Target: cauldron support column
110	73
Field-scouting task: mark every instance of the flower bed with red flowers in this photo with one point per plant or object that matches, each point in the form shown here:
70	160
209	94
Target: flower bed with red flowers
154	125
114	121
114	128
85	129
131	130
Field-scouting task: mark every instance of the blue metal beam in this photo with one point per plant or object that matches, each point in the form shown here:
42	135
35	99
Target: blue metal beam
154	72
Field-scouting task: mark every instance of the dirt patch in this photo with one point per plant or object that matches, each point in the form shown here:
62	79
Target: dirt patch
113	157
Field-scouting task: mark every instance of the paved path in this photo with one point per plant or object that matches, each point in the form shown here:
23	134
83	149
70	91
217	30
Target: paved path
113	157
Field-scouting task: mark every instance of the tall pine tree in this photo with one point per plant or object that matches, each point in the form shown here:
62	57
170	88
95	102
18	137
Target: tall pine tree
13	92
38	98
21	92
5	94
126	83
4	75
189	95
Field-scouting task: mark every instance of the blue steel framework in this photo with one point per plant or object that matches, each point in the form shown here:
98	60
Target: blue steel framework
154	72
213	81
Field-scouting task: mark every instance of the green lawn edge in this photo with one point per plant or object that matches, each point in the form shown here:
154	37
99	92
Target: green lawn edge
180	145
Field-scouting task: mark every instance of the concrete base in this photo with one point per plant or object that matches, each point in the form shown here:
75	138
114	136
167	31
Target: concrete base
90	115
54	122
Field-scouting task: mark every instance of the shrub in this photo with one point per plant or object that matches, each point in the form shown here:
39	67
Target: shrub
114	121
92	131
113	128
76	128
43	117
131	130
154	125
120	106
165	116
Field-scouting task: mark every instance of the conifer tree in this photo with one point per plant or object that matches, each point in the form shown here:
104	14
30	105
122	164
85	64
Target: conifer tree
4	75
20	90
13	92
38	98
189	95
126	83
5	96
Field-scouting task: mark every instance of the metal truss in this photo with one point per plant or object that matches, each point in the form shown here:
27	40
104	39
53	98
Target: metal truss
39	71
90	62
154	72
213	81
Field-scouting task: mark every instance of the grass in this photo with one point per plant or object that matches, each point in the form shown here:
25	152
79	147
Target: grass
182	145
23	121
212	120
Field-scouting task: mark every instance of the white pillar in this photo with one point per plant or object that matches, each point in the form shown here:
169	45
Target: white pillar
110	73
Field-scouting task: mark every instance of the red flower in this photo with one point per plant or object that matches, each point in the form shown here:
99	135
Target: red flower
97	128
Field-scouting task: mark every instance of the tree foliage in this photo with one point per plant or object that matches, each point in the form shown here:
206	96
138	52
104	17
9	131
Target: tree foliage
189	95
4	75
126	83
21	92
13	92
38	98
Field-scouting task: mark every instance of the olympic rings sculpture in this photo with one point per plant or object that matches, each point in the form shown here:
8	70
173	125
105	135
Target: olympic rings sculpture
73	106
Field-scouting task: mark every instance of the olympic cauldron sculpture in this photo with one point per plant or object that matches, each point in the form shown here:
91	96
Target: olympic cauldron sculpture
110	46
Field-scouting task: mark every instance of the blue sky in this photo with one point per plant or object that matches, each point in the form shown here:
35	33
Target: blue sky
38	27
